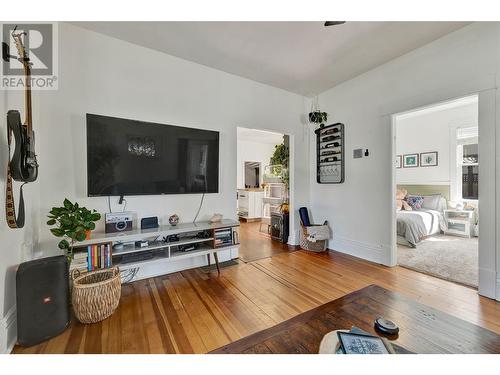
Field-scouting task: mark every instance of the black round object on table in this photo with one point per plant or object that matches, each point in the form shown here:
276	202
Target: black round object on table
386	326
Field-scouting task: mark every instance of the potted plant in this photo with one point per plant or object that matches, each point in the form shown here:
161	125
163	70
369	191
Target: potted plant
73	223
316	116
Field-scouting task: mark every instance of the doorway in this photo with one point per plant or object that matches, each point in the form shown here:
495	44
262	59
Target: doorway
263	192
436	184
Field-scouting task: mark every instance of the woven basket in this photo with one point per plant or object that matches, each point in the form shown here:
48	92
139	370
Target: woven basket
96	294
317	247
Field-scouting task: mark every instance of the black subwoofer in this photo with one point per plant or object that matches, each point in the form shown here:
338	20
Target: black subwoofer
42	288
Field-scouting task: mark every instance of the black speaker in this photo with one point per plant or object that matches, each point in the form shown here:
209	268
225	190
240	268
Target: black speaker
42	288
279	227
149	222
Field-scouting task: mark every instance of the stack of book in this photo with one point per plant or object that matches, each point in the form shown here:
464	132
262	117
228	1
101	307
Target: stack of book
79	261
92	257
223	237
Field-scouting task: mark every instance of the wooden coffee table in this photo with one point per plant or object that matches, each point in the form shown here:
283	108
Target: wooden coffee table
422	328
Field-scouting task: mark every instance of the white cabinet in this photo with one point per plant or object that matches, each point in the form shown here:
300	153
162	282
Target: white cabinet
250	204
459	222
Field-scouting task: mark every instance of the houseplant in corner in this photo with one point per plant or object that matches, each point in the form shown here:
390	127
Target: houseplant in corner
73	223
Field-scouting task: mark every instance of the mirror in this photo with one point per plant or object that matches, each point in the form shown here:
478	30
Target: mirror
252	174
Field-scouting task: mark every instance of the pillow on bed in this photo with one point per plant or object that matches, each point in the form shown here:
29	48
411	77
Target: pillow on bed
432	202
415	201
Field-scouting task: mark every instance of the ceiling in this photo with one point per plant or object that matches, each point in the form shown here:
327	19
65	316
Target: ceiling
259	136
302	57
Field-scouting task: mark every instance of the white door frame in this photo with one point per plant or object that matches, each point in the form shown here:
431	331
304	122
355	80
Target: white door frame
292	237
489	286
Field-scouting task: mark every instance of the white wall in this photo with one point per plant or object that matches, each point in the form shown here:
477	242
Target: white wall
360	210
432	130
124	80
103	75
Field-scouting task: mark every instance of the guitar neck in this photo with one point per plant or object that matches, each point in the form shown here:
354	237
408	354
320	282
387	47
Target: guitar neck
27	101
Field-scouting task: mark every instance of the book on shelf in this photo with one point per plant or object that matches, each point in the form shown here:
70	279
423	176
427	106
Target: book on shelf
223	232
92	257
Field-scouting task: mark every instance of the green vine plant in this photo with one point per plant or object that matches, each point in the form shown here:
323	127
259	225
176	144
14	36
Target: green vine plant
280	157
72	223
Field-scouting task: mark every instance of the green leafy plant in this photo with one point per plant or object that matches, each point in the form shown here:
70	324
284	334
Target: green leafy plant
72	223
280	155
318	117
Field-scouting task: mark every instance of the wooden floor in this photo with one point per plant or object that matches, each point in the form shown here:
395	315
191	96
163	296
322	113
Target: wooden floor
257	244
195	312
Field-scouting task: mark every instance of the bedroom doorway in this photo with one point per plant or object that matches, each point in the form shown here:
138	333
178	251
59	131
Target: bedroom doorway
436	184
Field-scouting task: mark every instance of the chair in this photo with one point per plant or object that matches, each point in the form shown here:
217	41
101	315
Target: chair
307	230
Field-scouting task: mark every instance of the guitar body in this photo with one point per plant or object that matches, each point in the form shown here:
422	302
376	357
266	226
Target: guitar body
23	165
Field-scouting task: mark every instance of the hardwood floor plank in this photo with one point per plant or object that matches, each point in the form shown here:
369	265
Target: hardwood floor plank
424	329
231	311
174	336
208	328
196	312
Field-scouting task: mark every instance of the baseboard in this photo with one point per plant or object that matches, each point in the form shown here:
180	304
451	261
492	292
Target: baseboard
374	253
293	238
498	290
8	331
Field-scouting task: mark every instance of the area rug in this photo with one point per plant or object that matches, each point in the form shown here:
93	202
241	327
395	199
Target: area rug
447	257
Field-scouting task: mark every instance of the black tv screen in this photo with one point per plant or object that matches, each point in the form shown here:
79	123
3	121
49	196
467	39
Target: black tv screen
128	157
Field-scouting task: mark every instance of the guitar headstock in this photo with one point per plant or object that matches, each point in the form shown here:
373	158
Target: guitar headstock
21	50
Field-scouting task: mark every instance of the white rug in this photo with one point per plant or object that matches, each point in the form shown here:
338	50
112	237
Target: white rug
447	257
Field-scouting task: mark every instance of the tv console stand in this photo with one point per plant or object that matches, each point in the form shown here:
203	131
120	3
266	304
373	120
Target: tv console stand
217	240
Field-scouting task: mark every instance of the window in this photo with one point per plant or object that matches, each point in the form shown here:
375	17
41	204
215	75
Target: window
468	162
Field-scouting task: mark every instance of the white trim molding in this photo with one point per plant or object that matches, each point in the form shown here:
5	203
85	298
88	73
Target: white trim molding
373	253
487	281
8	331
293	238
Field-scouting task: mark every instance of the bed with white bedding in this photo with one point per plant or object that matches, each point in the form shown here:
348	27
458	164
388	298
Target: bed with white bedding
413	226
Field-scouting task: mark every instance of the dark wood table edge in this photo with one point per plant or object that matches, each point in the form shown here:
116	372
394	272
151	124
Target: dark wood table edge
271	331
247	342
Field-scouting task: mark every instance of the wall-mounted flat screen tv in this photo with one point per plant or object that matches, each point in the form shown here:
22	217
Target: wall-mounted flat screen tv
128	157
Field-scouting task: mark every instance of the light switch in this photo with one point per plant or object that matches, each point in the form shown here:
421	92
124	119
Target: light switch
357	153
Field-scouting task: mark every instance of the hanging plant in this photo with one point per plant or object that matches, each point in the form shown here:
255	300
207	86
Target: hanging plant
316	116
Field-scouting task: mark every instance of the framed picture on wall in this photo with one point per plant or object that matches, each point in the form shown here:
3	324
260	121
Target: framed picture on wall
410	161
429	159
399	158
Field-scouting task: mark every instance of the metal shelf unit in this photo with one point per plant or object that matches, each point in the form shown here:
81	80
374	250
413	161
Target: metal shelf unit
330	154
